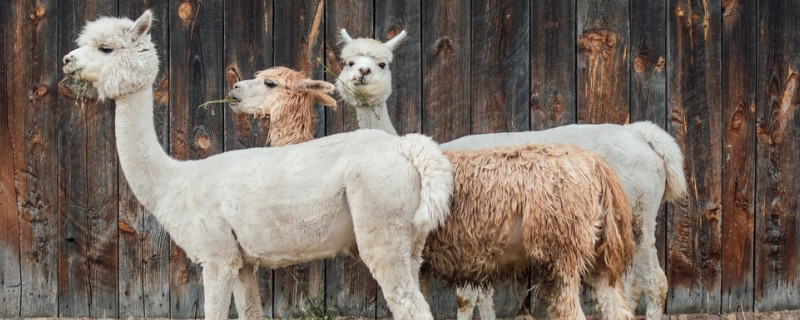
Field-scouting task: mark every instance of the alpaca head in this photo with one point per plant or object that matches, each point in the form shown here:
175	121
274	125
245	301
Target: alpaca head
366	78
115	55
275	89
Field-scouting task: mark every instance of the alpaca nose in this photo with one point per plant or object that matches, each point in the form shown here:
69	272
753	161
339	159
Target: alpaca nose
365	71
236	85
68	58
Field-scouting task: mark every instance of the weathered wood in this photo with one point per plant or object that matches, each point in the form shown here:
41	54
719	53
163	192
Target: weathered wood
87	260
552	102
196	75
500	66
777	259
446	90
143	242
648	84
446	86
351	290
299	34
738	167
694	252
11	128
603	53
248	49
405	103
357	17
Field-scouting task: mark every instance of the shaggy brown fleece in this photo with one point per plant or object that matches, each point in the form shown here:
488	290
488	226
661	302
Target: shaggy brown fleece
556	207
293	121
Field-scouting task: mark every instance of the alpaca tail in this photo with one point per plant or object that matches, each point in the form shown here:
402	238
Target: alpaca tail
616	247
666	147
436	180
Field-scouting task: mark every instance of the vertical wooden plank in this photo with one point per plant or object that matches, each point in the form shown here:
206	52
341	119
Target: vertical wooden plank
32	75
649	85
88	264
553	102
405	103
777	274
350	288
11	126
143	243
445	35
446	87
299	35
603	71
196	75
500	62
357	17
500	66
738	167
248	49
693	243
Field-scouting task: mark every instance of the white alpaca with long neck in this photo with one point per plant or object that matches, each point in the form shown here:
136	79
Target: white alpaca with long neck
647	160
313	200
366	81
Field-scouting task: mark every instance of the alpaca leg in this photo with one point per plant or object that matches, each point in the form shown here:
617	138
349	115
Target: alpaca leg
466	297
486	303
217	286
246	295
610	299
561	294
389	260
649	279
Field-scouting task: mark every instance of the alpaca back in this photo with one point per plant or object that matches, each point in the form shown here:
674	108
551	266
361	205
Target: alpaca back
534	203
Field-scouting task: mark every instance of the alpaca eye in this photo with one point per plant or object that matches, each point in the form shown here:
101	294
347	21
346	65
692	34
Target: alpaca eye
269	84
106	49
350	63
382	65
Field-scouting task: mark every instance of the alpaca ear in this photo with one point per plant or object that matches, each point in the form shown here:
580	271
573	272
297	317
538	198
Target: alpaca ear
308	85
318	90
142	25
393	43
325	100
345	37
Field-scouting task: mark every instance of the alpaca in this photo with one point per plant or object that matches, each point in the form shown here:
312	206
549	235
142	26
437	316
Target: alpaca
593	231
382	192
286	96
646	159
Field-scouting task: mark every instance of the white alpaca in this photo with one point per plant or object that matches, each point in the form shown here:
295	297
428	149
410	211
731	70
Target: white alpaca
314	199
647	160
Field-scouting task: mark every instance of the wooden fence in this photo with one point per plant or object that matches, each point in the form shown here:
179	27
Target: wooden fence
721	76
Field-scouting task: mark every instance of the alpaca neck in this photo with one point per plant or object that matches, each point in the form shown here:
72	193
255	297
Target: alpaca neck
375	118
292	126
144	162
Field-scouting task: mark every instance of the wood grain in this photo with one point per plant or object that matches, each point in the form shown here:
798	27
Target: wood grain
196	75
694	226
405	103
143	243
299	35
500	62
777	272
603	55
87	260
738	168
446	84
552	102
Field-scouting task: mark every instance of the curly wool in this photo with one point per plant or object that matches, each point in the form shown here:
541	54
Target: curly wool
550	205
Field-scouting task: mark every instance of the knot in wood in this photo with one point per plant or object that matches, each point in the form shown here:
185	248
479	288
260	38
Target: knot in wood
444	46
185	11
597	42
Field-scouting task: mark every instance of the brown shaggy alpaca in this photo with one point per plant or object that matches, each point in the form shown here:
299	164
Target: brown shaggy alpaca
555	207
290	112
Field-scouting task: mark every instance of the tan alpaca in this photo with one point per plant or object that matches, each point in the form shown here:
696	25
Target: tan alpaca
313	200
646	159
512	205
